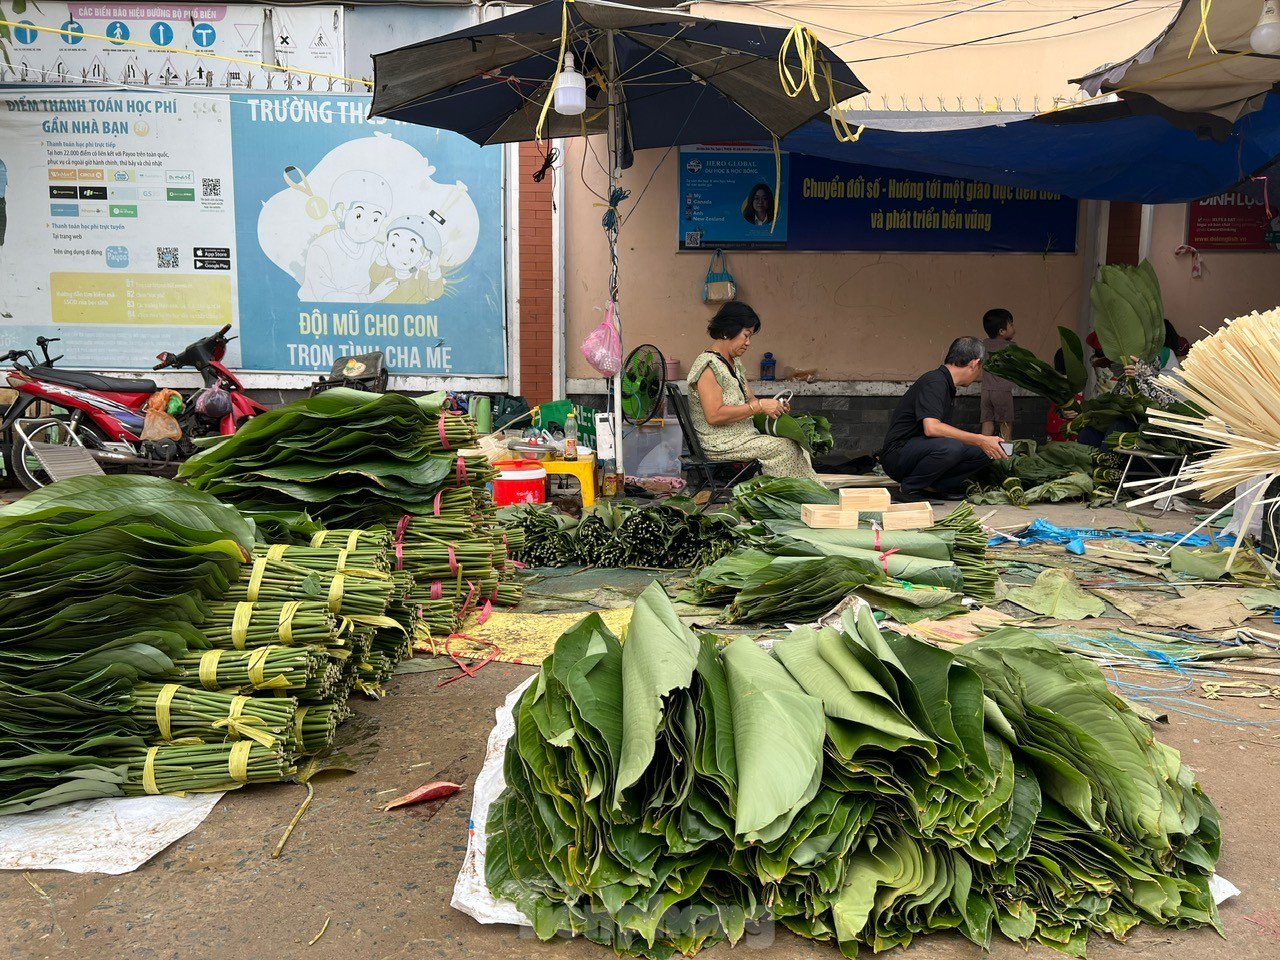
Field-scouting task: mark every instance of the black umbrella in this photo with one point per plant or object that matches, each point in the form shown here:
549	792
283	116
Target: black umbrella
655	78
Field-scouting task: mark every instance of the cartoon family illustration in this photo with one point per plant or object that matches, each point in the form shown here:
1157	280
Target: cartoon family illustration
350	263
347	235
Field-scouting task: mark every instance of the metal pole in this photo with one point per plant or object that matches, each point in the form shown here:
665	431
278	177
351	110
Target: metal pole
613	179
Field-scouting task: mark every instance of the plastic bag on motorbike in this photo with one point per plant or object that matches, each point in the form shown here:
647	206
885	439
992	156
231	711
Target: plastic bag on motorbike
212	403
158	423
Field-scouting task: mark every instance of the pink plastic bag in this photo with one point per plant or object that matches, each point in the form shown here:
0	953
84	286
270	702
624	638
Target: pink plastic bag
603	346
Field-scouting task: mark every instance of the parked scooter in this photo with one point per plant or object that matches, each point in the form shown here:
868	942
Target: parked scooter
106	415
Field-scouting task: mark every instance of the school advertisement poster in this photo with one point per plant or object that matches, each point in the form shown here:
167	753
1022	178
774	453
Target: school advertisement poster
726	201
136	222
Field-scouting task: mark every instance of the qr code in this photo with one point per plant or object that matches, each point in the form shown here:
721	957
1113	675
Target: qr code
693	238
211	186
167	258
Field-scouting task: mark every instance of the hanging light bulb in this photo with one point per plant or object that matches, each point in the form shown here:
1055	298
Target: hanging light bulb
571	90
1265	37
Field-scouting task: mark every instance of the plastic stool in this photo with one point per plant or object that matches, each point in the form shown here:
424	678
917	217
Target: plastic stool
583	469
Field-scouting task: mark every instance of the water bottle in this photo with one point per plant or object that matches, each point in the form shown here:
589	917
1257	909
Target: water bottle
571	437
768	367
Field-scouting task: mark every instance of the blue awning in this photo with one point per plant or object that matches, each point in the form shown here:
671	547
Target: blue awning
1102	152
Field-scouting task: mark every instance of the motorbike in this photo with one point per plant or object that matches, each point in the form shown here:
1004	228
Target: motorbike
107	415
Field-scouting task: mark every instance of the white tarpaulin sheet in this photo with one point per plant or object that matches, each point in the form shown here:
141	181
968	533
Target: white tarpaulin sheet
115	835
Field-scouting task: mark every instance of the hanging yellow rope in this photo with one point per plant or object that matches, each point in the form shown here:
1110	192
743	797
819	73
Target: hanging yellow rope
839	126
1205	7
805	44
203	55
555	79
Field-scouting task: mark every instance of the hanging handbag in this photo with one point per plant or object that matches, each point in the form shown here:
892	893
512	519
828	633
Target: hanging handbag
719	287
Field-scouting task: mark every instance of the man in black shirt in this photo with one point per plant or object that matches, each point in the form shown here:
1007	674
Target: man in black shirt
922	450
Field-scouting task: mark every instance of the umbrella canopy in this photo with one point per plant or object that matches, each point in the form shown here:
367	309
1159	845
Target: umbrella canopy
681	78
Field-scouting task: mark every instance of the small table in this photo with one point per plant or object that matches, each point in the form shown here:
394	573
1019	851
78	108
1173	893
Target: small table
584	469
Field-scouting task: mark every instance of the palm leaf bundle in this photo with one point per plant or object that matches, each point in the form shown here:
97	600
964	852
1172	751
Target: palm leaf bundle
269	668
344	456
101	579
169	712
779	498
201	767
811	431
858	787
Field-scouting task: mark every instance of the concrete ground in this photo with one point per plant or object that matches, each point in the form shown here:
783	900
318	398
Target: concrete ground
383	880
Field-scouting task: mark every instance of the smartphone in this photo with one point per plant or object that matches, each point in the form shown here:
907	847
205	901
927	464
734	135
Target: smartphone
1007	447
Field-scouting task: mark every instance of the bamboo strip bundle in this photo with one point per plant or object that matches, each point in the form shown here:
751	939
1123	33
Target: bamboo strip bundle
201	768
330	556
265	668
1234	377
169	711
354	594
243	624
315	726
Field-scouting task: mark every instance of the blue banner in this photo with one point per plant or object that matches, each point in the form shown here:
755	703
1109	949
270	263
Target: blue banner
836	206
355	235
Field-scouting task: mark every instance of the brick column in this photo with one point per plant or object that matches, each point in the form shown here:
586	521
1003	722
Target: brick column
536	266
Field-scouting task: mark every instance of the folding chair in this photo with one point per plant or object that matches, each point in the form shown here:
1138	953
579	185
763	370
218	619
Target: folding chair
719	476
60	461
1157	462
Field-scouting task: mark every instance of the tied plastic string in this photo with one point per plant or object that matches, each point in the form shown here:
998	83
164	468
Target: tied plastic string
297	722
437	590
149	772
555	80
238	761
284	629
444	439
242	727
209	669
467	671
255	578
164	701
453	560
461	472
276	551
257	666
884	557
435	504
401	527
318	539
352	539
240	624
336	588
1205	7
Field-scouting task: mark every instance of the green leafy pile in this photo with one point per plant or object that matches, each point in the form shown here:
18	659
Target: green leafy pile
670	535
857	787
346	457
101	579
811	431
1048	473
349	459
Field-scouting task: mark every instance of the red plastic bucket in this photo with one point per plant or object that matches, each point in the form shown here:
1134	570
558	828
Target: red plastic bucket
519	481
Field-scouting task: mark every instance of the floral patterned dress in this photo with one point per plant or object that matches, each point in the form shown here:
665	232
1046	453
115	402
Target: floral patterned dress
778	456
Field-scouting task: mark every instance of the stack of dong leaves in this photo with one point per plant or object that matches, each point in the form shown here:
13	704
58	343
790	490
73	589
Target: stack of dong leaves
663	793
352	460
150	646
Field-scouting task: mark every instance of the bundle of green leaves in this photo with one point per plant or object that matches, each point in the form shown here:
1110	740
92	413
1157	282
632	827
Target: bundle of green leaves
779	498
346	457
811	431
858	787
1128	312
101	579
1023	368
672	535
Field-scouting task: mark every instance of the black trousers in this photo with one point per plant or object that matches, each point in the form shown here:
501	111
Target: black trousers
934	463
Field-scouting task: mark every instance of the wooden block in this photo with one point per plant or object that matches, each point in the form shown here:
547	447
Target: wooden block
865	500
822	517
908	507
918	518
